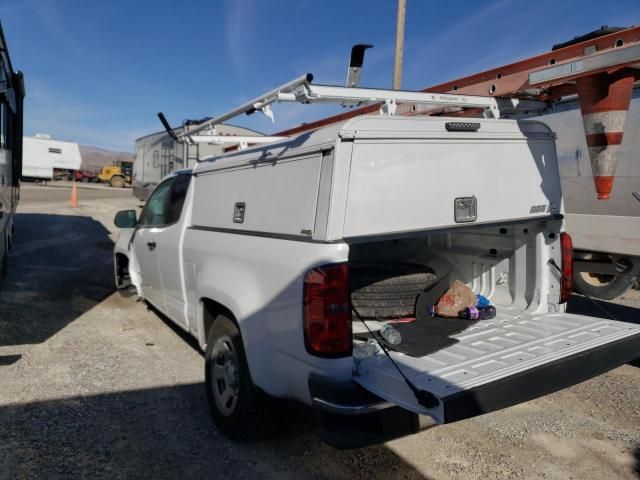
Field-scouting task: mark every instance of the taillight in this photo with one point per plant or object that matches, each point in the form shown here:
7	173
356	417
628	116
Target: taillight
566	285
327	311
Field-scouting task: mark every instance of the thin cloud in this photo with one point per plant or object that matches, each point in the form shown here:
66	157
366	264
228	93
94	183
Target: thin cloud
239	21
47	111
12	9
47	13
421	54
459	30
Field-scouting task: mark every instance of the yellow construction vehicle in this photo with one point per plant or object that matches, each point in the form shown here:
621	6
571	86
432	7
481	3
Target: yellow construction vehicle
116	175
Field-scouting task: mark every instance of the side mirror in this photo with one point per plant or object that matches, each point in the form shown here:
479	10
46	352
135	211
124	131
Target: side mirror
125	219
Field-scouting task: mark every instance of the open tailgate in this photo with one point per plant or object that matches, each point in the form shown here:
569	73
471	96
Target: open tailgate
502	362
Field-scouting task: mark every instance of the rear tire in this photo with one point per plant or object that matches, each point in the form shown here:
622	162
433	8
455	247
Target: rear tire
606	287
387	289
605	291
239	409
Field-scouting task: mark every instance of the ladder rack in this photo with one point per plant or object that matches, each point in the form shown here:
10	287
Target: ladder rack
301	90
242	140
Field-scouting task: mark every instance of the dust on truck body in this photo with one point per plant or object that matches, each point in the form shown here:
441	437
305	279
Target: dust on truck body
12	94
259	255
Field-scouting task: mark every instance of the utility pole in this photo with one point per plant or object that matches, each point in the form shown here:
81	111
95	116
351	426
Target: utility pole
399	52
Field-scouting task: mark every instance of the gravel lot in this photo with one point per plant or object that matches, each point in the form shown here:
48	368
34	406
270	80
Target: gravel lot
95	385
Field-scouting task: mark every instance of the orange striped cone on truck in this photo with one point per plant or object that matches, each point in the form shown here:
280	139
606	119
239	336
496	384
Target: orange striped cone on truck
73	201
604	102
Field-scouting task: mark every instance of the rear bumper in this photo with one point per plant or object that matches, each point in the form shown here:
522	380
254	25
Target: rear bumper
351	417
344	398
361	408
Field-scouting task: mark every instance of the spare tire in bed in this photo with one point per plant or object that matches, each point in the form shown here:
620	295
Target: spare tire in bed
387	289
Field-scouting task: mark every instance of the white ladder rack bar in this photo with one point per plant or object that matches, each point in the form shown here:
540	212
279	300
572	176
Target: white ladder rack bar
301	90
362	96
250	106
231	139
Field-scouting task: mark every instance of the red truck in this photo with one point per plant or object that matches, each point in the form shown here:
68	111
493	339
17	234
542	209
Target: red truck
82	176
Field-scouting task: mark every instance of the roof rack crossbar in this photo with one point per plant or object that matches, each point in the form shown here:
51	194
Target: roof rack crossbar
233	139
301	90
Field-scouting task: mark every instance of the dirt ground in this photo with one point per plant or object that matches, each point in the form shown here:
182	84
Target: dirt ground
95	385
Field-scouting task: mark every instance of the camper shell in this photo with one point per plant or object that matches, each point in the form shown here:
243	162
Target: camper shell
347	181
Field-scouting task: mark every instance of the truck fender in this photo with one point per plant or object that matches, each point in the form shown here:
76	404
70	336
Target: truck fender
228	295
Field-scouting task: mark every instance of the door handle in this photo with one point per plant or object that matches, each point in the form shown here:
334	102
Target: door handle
151	245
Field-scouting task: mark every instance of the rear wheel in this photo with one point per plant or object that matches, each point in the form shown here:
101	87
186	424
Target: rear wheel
117	181
607	286
387	289
85	179
238	408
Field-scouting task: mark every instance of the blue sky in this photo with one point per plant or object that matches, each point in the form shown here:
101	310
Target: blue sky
98	71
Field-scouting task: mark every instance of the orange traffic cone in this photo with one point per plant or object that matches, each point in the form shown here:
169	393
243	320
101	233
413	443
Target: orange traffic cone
74	196
604	101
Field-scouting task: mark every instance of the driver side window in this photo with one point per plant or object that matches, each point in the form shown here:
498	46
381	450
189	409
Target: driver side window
155	211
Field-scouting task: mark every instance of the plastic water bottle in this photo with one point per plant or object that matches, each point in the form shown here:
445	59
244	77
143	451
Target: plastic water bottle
478	313
362	351
391	335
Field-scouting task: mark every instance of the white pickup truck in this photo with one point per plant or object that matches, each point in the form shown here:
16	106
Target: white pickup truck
274	257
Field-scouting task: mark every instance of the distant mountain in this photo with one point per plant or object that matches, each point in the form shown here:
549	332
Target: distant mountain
94	158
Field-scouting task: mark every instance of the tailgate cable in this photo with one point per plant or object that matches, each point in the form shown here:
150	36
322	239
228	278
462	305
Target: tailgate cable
424	398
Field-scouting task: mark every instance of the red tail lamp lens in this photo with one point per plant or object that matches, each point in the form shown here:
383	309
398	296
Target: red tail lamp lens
567	267
327	311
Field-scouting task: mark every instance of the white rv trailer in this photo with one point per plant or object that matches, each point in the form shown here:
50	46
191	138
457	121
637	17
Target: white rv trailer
157	155
42	155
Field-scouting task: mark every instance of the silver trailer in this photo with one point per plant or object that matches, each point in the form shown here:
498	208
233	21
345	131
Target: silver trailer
606	233
157	155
